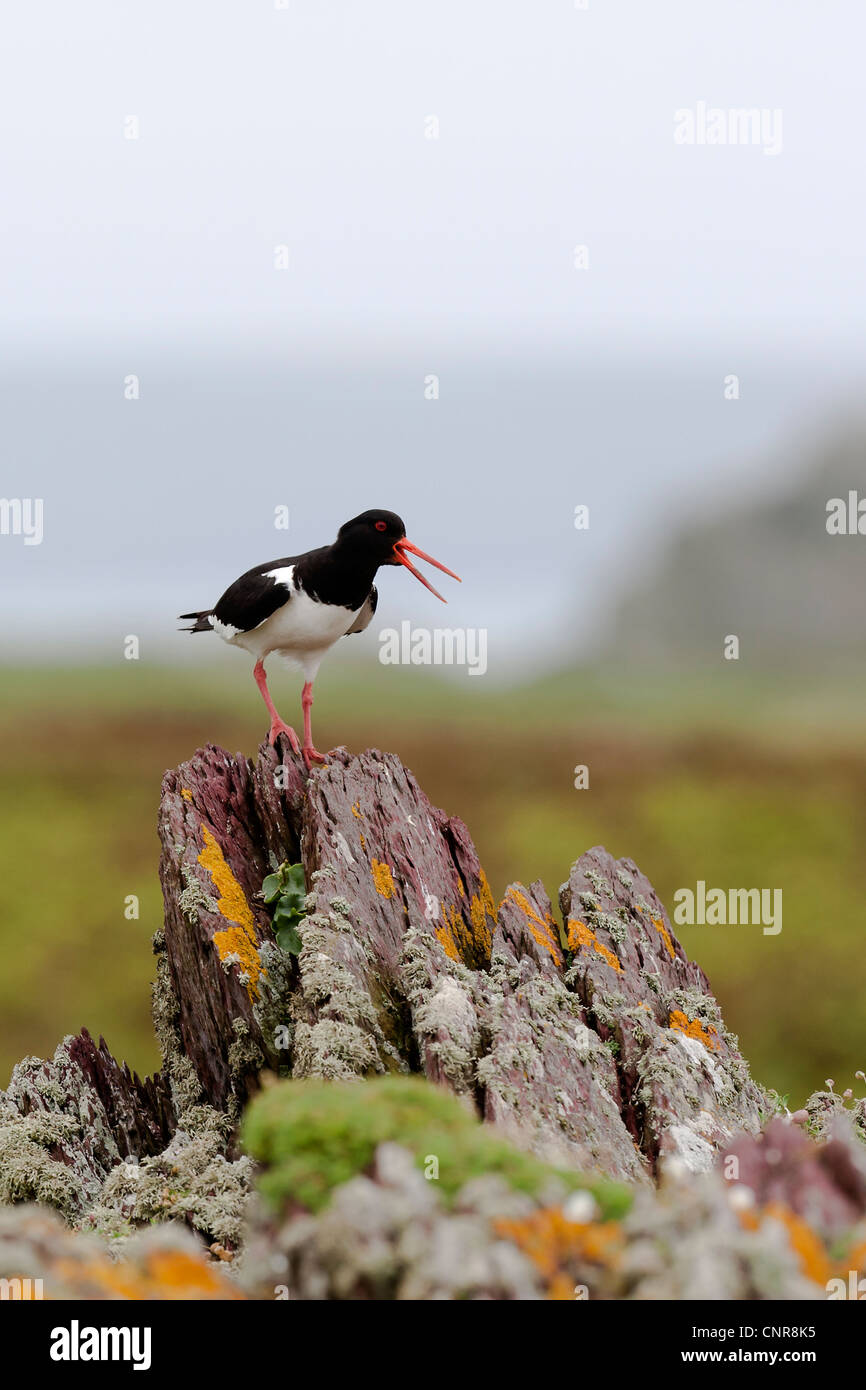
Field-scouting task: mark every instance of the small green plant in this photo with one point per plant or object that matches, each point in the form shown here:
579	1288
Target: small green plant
286	889
310	1136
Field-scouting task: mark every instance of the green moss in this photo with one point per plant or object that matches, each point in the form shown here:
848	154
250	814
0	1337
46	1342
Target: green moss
310	1137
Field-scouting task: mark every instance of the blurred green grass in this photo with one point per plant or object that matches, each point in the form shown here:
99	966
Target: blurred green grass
737	781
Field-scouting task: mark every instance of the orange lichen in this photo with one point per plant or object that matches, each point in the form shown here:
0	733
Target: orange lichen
542	928
446	940
164	1274
581	936
815	1262
355	812
468	941
558	1247
363	843
693	1028
178	1270
665	936
186	793
450	931
856	1258
482	910
486	895
383	879
240	939
561	1288
804	1242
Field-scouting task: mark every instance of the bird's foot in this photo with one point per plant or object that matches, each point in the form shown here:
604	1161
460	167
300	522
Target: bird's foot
277	728
312	755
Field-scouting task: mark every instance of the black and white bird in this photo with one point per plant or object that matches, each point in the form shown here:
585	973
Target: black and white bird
301	605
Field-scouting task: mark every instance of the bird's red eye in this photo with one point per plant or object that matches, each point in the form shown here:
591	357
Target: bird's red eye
381	526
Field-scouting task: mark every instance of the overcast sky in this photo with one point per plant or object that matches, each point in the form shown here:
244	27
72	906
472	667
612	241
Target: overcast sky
306	127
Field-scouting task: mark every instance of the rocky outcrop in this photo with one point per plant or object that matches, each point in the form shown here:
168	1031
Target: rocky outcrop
40	1257
421	1201
65	1124
596	1043
478	1099
686	1089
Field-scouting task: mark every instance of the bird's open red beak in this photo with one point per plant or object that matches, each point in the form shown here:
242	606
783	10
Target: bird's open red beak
400	549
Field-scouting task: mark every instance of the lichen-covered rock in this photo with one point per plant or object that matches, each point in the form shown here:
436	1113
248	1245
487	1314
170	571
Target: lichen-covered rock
515	1040
386	1236
549	1078
477	1091
823	1184
685	1087
599	1045
779	1217
391	1190
309	1137
41	1258
394	1189
824	1109
65	1123
222	829
383	862
692	1239
191	1181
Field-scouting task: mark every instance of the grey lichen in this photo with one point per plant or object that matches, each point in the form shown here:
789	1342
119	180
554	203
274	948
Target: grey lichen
245	1059
191	1180
272	1009
28	1173
334	1050
337	1030
601	887
193	895
186	1088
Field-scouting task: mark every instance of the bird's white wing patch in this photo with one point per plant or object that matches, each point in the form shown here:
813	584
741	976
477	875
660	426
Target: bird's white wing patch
283	575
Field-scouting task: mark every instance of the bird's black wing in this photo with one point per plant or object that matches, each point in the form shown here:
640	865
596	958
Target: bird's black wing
365	616
252	599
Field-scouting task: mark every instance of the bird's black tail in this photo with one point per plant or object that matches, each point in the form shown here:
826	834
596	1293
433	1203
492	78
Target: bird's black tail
202	621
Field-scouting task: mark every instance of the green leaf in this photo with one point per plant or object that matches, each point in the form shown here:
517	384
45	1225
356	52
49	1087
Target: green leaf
288	939
286	889
295	878
284	915
271	888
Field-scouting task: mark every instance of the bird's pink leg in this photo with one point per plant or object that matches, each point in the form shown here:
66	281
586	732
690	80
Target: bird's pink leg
277	725
309	752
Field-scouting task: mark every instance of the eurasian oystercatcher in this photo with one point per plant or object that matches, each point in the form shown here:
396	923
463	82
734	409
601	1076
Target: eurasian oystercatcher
301	605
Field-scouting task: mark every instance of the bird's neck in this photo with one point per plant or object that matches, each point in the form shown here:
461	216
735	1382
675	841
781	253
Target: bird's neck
339	573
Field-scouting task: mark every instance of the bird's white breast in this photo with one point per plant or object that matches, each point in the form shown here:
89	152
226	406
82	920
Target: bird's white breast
305	624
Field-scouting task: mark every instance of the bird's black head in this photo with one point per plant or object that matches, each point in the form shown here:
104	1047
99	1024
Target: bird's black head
373	533
380	537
